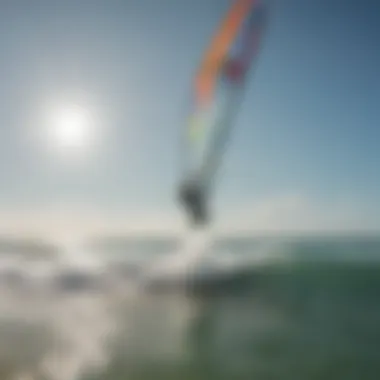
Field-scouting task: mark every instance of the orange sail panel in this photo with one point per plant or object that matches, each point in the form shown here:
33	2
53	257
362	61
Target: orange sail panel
220	45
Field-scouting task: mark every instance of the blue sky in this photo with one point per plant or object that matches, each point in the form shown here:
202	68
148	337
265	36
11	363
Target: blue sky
307	134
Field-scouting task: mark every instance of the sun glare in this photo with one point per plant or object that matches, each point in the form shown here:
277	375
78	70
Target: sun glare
71	127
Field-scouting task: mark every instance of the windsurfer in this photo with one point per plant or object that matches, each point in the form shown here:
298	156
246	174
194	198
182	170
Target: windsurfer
193	198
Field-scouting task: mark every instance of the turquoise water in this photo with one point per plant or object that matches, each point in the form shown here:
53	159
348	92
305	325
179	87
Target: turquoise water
307	321
315	315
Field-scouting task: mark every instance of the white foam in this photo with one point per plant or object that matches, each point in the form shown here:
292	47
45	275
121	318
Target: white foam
77	323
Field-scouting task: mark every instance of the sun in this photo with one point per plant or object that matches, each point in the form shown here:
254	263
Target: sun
70	127
70	130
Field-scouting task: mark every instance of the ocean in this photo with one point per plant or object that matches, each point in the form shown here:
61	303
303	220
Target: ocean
296	308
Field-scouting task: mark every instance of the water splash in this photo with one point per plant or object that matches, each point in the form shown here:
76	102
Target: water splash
75	300
196	247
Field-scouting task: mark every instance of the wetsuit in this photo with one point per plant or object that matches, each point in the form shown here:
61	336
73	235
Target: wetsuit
193	199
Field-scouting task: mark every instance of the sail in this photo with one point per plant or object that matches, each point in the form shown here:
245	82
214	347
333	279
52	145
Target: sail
217	89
